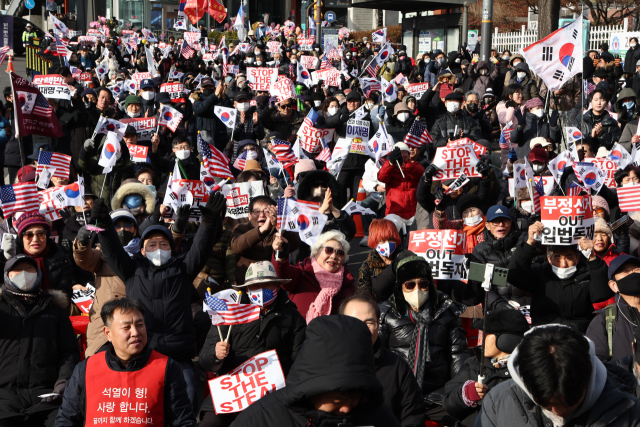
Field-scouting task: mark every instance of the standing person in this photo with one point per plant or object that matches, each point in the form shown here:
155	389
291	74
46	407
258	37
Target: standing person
94	394
598	127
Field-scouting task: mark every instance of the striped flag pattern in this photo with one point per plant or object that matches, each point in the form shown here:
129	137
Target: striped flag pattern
3	53
42	107
216	162
186	50
325	64
505	136
418	135
283	152
19	198
574	189
538	191
325	154
54	160
228	313
629	198
241	161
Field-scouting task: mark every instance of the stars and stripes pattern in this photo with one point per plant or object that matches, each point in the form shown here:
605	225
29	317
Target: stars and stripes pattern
61	45
42	107
325	154
325	64
629	198
538	191
228	313
370	85
54	160
283	152
588	87
186	51
311	118
418	135
216	163
19	198
241	161
505	136
574	189
333	54
3	53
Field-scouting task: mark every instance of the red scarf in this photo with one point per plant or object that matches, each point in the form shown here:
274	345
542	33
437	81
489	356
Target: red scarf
40	259
472	234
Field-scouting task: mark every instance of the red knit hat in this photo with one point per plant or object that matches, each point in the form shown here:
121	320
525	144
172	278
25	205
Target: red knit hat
28	219
26	174
538	154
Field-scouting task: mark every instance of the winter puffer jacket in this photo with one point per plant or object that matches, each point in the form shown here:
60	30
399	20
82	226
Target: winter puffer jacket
535	126
447	339
207	119
339	122
610	134
38	350
401	191
528	85
568	301
498	252
447	125
272	120
337	355
221	264
626	317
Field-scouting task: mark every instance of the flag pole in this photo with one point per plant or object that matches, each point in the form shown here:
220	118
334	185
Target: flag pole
103	181
15	124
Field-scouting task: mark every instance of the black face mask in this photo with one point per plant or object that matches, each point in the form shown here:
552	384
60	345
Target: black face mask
472	108
207	92
629	285
125	237
80	217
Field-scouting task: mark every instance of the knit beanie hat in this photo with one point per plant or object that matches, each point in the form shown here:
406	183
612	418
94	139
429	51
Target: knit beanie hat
603	227
533	102
132	99
304	165
28	219
599	201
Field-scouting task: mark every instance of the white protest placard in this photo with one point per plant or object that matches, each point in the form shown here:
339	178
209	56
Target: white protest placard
566	219
246	384
330	77
83	299
479	149
338	156
444	251
283	89
547	182
144	126
138	153
309	137
417	89
273	47
455	161
239	196
193	38
309	62
358	132
175	90
52	86
609	167
261	79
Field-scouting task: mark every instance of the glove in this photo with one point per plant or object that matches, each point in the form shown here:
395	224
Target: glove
58	389
182	218
381	112
8	245
395	156
483	168
89	144
553	119
510	104
522	119
100	212
438	193
84	236
157	216
512	156
214	209
431	171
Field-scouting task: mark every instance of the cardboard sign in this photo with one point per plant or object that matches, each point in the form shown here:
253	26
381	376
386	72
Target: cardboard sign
261	79
547	182
52	86
84	299
273	47
249	382
566	219
309	137
138	153
443	249
144	126
455	161
330	77
175	91
309	62
239	196
358	132
417	89
479	149
140	76
609	167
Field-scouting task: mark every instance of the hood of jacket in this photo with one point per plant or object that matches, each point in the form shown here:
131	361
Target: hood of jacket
136	187
594	388
626	93
337	354
504	244
516	56
522	66
304	187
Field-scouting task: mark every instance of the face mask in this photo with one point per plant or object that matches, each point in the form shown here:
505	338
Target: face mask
453	107
472	108
317	49
557	420
632	45
148	95
483	72
133	115
243	106
538	168
506	57
427	60
159	257
521	75
416	298
441	61
256	52
628	105
183	154
348	56
457	60
258	62
474	220
262	296
125	237
538	113
317	103
386	249
527	206
25	281
250	60
294	61
629	285
153	189
332	110
628	184
403	117
564	273
207	92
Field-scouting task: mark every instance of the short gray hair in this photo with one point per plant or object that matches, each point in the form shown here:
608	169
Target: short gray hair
472	92
331	235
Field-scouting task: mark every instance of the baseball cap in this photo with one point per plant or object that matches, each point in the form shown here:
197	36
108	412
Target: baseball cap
147	83
402	146
497	211
618	262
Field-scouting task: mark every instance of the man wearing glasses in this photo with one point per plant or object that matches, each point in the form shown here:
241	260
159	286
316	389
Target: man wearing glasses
284	118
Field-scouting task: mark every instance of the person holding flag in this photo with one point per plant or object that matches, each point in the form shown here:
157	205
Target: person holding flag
280	327
180	154
401	176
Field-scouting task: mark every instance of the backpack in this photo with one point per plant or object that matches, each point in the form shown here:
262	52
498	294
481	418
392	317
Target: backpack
610	313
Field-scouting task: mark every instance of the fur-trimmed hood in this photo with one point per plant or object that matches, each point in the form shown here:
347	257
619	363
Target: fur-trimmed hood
130	187
58	298
337	193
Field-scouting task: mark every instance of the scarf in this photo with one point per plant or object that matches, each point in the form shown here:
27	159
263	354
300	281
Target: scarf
472	232
330	284
133	247
419	348
40	260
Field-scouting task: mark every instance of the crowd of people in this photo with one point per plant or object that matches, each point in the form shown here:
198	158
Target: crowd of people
383	342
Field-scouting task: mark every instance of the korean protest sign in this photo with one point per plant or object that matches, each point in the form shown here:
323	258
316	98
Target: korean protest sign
443	249
239	196
566	219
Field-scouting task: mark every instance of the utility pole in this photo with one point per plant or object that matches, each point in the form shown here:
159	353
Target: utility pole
486	29
319	22
465	22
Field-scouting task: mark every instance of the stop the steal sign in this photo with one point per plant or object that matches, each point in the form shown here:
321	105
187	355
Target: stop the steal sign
249	382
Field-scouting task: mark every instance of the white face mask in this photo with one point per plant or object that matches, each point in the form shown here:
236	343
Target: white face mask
564	273
632	45
148	95
474	220
537	168
332	110
483	72
133	115
457	60
158	257
25	281
521	74
250	60
243	106
317	103
427	60
416	298
628	184
258	62
453	107
252	154
294	61
257	52
317	49
403	117
527	206
183	154
538	113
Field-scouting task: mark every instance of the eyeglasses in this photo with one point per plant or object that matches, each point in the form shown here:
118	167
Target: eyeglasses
599	210
422	284
40	235
258	212
286	107
498	221
126	226
329	250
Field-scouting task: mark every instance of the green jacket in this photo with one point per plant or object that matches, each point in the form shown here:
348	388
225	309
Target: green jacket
26	35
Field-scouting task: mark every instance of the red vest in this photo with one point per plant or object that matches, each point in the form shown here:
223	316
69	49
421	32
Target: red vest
125	398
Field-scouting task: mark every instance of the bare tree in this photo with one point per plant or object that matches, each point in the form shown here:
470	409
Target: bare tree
548	15
607	12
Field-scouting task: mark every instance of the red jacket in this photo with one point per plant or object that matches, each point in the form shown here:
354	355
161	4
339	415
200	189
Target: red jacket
401	192
304	287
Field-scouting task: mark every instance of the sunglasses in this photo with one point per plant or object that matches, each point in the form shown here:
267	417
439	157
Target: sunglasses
599	210
422	284
286	107
329	250
38	234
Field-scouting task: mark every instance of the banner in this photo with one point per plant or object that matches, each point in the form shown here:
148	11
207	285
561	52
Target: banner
144	127
443	249
53	86
479	149
309	62
330	77
249	382
84	79
239	196
261	79
417	89
35	115
283	89
609	167
566	219
199	193
193	38
358	132
138	153
273	47
309	137
455	161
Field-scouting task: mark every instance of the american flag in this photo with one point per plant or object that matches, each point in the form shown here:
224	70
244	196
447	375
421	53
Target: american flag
281	205
325	64
241	161
311	118
186	50
216	163
369	85
629	198
588	87
54	160
19	198
333	54
229	313
61	45
574	189
3	53
325	154
418	135
505	136
283	152
538	191
42	107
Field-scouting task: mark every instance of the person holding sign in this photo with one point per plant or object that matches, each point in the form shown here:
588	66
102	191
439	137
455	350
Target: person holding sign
181	153
565	286
472	223
280	327
206	118
401	176
443	131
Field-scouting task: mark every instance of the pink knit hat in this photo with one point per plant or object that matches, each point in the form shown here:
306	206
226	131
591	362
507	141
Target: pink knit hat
598	201
28	219
304	165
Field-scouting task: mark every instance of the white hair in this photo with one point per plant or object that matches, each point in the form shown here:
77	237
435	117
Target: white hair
331	235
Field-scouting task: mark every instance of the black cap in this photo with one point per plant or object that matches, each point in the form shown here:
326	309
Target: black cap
454	96
353	95
618	262
600	72
163	98
469	201
16	259
129	130
242	95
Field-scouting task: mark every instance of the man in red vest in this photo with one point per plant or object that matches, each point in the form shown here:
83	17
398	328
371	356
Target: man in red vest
129	383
